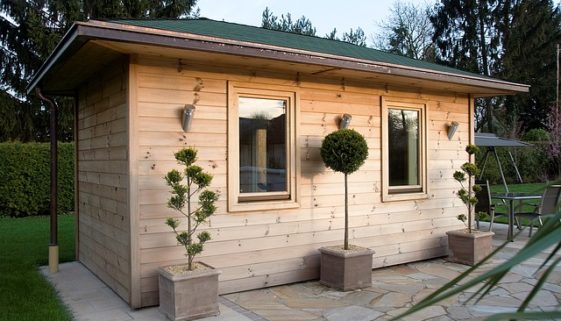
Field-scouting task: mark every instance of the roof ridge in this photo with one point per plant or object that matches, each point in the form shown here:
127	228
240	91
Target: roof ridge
291	40
252	26
238	39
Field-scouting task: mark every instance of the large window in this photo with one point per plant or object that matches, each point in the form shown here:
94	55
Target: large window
404	152
261	149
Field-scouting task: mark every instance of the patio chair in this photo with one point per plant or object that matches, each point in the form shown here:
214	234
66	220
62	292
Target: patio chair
484	203
549	205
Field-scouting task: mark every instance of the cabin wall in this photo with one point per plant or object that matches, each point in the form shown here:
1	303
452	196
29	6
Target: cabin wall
269	247
102	144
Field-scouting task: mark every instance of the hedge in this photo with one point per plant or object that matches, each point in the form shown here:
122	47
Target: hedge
24	187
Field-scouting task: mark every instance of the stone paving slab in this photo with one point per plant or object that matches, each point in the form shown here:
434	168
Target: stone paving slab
394	290
89	299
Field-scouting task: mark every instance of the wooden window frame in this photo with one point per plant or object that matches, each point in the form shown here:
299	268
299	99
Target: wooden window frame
270	200
407	192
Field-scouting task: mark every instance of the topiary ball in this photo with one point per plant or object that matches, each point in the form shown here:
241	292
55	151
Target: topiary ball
344	150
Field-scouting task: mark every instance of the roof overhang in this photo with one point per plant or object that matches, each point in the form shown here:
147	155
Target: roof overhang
89	45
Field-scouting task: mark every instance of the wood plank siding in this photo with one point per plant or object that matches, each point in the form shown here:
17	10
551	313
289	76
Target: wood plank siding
103	177
262	248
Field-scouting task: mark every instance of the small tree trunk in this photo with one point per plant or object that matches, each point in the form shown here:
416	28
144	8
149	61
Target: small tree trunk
470	206
346	244
189	257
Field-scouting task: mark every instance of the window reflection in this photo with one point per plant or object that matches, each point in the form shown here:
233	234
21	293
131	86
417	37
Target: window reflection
262	143
403	147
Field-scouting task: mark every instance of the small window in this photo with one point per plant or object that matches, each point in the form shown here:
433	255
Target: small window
403	150
262	149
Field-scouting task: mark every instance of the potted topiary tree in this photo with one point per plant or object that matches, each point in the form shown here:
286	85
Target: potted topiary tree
468	246
189	291
346	267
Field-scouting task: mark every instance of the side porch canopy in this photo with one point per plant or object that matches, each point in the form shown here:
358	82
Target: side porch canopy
492	141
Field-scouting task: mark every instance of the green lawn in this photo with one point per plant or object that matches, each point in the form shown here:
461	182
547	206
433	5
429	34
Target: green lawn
24	294
534	188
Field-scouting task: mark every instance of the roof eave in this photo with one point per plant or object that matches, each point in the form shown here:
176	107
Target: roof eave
81	31
67	40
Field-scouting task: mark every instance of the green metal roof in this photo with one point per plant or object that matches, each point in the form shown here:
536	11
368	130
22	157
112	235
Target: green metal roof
234	31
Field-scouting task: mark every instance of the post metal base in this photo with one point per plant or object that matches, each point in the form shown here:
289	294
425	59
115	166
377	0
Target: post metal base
53	258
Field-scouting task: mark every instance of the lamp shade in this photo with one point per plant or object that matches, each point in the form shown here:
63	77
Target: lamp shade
187	117
345	121
452	128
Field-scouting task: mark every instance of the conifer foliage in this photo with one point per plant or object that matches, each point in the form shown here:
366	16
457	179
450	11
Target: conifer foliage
196	181
29	31
513	40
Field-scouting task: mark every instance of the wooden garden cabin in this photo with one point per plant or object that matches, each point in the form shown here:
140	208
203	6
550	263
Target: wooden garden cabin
263	102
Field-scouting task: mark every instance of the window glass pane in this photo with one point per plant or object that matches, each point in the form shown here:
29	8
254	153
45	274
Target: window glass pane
263	156
403	147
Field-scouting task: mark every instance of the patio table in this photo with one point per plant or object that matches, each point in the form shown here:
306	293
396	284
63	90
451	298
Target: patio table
511	197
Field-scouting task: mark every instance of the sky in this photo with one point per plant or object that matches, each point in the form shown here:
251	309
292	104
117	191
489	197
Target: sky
324	15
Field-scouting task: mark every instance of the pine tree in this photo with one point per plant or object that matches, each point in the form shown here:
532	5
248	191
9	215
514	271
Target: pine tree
29	31
332	35
513	40
467	36
530	57
302	25
356	37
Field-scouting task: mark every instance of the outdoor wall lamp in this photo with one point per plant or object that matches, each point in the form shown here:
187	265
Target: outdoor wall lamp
452	128
345	121
187	117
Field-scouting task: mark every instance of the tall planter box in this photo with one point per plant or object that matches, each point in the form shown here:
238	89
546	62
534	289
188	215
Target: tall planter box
469	248
188	296
346	270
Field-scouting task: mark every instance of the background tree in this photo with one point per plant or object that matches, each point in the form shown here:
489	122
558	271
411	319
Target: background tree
511	39
554	147
356	37
467	36
407	31
302	25
530	57
29	31
332	35
464	31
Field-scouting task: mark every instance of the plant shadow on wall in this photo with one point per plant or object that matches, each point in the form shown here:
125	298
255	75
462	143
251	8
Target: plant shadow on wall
189	291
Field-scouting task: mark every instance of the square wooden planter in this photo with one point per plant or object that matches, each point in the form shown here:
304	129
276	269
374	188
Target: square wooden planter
346	270
190	295
469	248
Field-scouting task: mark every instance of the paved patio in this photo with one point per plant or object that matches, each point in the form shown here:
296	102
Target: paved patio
393	290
